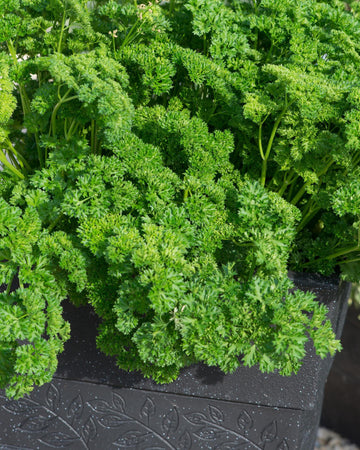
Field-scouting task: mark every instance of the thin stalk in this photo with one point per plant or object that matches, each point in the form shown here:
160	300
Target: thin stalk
260	142
302	190
63	100
342	252
300	193
38	148
287	181
269	146
127	37
22	161
72	129
25	102
172	6
307	218
11	167
348	261
61	32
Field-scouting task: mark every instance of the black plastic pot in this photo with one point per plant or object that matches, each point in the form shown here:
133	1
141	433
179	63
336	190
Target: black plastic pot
93	405
341	410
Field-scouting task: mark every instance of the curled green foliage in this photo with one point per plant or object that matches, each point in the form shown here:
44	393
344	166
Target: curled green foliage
33	331
168	163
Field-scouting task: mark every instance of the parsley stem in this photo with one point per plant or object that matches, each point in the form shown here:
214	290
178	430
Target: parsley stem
25	102
307	217
61	32
172	6
269	146
341	252
19	157
260	142
72	129
300	193
62	100
11	167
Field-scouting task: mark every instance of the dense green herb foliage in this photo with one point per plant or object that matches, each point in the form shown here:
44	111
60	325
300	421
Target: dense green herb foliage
168	163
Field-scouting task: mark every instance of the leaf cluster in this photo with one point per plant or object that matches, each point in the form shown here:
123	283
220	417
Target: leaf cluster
168	164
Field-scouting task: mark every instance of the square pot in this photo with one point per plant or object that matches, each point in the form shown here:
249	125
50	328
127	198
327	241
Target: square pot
91	404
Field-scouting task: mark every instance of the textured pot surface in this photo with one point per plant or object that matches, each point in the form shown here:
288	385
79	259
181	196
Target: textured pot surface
341	410
92	404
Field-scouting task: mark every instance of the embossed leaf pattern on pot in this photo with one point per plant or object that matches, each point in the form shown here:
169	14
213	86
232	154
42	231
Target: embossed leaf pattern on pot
34	424
185	441
195	418
216	414
118	402
283	445
52	397
269	433
58	439
209	433
148	409
245	421
99	406
131	439
89	431
170	422
21	406
75	408
112	420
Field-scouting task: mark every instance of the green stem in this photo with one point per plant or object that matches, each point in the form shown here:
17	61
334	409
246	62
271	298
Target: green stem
71	129
63	100
342	252
269	146
127	37
7	164
300	193
287	181
348	261
260	142
172	6
19	157
307	218
302	190
25	102
61	32
40	159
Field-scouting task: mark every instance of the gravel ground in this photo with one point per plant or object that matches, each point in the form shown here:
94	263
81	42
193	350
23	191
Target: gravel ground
328	440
